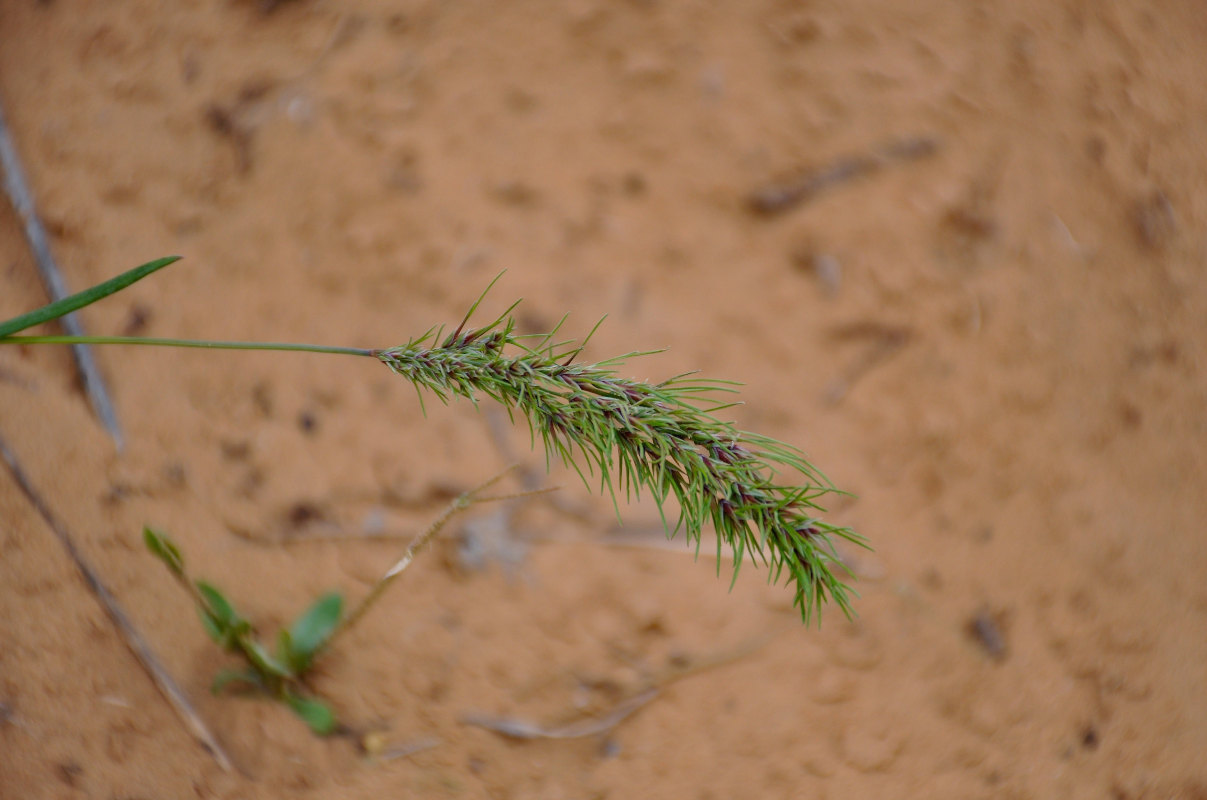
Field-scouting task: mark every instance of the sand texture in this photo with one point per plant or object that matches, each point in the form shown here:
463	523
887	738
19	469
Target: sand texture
954	251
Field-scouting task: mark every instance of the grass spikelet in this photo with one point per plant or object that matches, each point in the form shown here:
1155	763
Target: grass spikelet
663	438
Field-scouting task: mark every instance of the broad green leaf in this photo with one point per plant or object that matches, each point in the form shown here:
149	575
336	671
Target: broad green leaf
218	634
221	621
61	308
286	653
164	549
317	715
312	630
219	611
217	605
225	677
264	663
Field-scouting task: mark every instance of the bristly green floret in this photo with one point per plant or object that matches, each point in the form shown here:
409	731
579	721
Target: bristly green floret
663	437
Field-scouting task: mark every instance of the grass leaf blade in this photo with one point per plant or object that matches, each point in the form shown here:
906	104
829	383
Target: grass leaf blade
74	302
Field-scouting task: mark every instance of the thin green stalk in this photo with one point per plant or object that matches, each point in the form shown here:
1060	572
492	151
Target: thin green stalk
198	343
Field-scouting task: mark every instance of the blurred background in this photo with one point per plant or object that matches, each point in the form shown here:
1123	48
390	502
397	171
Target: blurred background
953	251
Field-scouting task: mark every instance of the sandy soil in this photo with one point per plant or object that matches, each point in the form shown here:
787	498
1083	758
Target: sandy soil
985	318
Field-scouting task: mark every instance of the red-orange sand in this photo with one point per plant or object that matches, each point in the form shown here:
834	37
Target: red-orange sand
999	348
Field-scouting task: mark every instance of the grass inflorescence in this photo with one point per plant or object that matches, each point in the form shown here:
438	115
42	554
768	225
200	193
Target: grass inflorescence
662	437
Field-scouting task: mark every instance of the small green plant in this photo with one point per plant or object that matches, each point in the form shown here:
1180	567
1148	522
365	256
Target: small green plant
664	438
277	673
280	672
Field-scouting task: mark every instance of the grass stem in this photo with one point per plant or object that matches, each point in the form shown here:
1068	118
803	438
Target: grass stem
197	343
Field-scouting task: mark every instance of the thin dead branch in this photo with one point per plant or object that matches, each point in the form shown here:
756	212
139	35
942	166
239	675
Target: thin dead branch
21	198
517	728
781	196
883	340
130	635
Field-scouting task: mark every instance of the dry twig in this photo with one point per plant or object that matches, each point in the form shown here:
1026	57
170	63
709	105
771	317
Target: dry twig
517	728
22	200
133	639
785	195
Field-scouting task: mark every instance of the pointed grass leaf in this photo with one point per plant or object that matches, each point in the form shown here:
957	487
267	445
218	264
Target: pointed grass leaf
164	549
312	630
61	308
317	715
